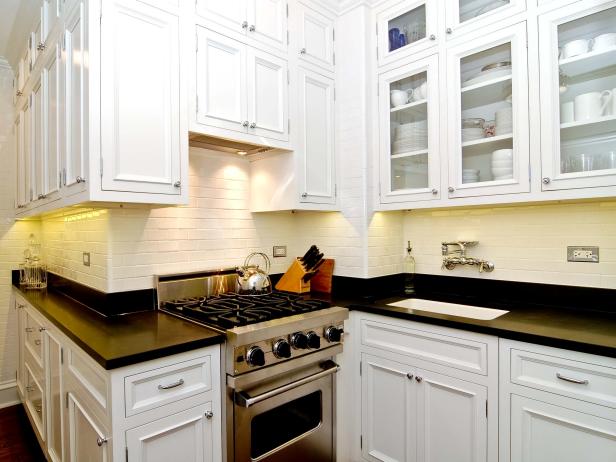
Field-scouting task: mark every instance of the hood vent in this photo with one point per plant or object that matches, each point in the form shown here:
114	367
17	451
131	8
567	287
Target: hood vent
220	144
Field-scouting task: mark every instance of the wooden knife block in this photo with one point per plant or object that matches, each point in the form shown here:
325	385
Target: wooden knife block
292	280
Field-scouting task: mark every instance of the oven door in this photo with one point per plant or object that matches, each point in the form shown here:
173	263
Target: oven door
288	419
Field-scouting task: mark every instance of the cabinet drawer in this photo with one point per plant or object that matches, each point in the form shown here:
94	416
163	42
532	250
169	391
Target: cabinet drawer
459	353
155	388
576	379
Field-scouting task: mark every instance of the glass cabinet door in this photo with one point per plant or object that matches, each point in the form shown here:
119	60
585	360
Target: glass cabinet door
467	15
406	28
578	96
409	132
488	114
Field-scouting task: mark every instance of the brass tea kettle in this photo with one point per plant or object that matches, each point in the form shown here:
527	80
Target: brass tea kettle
251	279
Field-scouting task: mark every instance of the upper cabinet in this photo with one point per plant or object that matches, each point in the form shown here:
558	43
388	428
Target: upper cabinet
578	76
467	15
102	116
261	22
315	37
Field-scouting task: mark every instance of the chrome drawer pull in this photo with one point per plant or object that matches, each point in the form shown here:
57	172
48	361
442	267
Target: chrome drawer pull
29	329
100	441
171	385
568	379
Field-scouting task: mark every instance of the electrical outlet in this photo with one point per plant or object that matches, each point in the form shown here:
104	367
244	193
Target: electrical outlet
279	251
86	259
583	254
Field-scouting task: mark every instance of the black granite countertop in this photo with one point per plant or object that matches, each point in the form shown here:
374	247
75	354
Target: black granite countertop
580	330
120	340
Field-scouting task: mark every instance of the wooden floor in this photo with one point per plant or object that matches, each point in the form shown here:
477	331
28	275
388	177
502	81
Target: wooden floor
17	440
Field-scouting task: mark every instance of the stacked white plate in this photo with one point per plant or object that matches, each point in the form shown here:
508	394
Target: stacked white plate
474	133
502	164
412	136
503	121
470	175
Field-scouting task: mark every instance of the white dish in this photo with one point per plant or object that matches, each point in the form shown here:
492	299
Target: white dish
502	154
502	163
502	171
490	74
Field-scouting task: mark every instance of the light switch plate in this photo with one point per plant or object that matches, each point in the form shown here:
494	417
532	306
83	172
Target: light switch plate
86	259
583	254
279	251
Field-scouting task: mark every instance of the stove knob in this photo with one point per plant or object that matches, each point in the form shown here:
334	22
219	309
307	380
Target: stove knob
314	341
333	334
282	349
255	356
299	341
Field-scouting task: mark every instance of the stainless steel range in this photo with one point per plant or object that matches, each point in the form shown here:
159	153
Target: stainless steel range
277	364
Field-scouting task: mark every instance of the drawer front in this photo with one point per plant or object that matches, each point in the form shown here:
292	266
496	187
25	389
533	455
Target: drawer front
33	337
576	379
155	388
90	379
459	353
34	401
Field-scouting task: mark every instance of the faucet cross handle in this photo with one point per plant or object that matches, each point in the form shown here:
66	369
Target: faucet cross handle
462	245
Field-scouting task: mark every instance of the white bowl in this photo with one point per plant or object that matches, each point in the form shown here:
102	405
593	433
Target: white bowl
503	177
502	154
502	171
508	163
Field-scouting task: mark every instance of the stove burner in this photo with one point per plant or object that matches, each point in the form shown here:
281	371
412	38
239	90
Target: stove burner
231	310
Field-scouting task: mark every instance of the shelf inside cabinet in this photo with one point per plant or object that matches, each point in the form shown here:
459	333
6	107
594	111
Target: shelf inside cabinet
415	106
409	154
490	91
482	145
588	62
587	128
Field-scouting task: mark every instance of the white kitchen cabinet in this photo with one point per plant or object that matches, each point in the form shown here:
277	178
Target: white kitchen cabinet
470	15
38	134
389	410
578	138
241	90
259	22
87	438
142	157
184	436
21	154
315	36
53	360
410	132
481	165
53	128
556	404
405	29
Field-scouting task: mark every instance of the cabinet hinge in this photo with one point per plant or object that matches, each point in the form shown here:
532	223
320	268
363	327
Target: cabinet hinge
101	167
287	10
66	400
376	28
61	355
361	442
126	452
100	19
360	368
486	408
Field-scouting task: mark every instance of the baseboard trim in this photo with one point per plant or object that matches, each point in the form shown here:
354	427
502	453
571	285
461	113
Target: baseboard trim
8	394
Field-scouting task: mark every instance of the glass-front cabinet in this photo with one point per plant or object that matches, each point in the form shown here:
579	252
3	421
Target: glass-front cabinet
578	97
406	28
467	15
409	132
487	115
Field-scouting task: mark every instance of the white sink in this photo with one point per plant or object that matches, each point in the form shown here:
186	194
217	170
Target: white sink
465	311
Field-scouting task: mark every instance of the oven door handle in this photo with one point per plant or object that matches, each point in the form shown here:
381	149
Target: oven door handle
243	399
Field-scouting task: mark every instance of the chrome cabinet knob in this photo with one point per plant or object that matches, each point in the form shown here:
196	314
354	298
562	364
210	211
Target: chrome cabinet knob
209	415
80	179
418	379
434	191
29	388
245	25
302	51
251	28
100	441
449	30
451	189
304	195
40	46
42	329
409	376
546	180
245	123
253	125
432	37
19	305
19	93
177	184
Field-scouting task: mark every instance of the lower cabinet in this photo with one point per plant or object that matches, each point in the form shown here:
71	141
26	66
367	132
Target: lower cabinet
186	435
81	412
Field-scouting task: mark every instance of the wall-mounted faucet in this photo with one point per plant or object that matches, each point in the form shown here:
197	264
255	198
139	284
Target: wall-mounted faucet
457	256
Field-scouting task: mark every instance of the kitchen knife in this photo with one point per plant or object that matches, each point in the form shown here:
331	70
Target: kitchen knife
313	259
309	259
316	267
309	252
308	276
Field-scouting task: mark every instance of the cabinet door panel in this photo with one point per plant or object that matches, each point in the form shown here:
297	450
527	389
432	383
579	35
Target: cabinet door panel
75	58
85	435
470	15
268	95
52	87
221	81
55	402
227	13
389	411
35	400
22	193
316	138
542	432
186	436
140	134
316	37
267	22
454	411
38	160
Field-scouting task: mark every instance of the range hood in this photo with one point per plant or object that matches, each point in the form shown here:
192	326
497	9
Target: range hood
221	144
